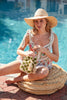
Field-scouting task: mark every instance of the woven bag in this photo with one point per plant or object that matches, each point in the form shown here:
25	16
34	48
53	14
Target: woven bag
53	82
28	65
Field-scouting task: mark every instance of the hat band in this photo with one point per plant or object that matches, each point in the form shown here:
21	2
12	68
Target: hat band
40	16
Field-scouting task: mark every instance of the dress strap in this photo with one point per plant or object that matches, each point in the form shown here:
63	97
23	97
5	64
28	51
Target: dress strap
52	37
23	41
30	38
51	40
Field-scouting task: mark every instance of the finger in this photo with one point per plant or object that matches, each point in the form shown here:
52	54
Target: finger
35	48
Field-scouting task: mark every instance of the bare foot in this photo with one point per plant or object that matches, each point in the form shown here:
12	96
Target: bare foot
13	80
16	79
10	80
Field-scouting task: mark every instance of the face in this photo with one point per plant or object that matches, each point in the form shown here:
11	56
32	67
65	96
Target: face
40	24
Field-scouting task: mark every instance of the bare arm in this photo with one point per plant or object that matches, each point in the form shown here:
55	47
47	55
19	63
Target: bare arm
54	56
24	43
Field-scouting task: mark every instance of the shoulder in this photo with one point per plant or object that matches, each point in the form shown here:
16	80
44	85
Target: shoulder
29	31
55	39
27	35
55	36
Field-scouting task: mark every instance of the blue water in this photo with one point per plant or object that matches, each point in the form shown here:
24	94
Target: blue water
13	27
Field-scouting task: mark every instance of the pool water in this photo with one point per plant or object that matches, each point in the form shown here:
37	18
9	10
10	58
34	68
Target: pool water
13	27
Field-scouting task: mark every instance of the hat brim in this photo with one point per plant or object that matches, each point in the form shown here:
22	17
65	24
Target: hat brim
52	20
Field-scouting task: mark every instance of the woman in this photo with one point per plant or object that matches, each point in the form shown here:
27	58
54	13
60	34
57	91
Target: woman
40	39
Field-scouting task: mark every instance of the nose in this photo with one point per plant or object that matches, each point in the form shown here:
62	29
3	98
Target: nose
38	23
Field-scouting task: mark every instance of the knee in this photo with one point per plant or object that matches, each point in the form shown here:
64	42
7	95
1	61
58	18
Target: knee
44	72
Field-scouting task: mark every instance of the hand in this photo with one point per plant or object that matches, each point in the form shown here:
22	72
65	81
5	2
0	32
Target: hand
40	48
36	48
30	54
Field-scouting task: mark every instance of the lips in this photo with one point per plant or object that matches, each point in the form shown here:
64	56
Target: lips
38	26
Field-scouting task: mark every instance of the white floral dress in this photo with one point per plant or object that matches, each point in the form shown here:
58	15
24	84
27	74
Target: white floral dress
43	59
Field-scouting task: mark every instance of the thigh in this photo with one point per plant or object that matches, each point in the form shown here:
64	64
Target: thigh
41	73
10	68
42	70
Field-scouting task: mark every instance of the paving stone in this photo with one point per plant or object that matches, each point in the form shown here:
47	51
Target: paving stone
4	85
14	91
16	97
43	97
5	95
58	98
2	78
30	98
66	90
60	93
5	99
1	90
9	96
26	96
64	98
9	88
36	98
66	83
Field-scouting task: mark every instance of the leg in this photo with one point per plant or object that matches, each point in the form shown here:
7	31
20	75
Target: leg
10	68
40	74
16	79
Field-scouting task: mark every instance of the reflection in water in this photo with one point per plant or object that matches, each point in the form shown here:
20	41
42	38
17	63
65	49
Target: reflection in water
52	6
38	4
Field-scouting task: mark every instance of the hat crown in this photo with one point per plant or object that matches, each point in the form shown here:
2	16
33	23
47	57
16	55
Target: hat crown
40	12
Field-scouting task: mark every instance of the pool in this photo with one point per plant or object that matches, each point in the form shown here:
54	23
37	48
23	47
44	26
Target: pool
13	27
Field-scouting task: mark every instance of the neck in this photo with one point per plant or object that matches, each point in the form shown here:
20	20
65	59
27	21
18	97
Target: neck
42	32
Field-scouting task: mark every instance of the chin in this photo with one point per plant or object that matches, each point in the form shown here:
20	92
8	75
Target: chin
39	29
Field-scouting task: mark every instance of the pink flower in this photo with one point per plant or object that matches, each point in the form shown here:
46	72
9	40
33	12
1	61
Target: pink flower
30	47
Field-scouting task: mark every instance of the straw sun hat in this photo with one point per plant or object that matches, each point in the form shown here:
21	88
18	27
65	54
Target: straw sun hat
39	14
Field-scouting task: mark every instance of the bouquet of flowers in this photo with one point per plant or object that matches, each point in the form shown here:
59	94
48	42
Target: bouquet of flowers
28	65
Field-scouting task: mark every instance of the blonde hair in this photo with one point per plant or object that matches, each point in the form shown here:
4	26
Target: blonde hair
47	28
